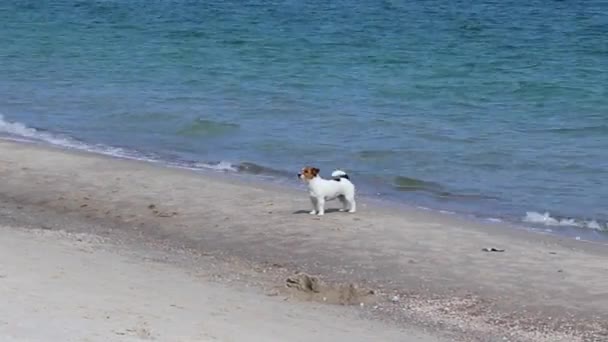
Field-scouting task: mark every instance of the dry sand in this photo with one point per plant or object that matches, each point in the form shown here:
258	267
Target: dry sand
425	270
63	287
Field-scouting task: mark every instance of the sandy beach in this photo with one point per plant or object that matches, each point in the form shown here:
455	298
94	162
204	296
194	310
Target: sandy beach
98	249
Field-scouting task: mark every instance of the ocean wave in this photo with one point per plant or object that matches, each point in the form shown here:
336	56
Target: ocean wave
21	132
412	184
548	220
224	166
574	131
376	154
203	127
256	169
403	183
244	167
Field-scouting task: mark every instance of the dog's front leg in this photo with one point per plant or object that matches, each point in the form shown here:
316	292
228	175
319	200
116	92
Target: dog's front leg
320	206
313	200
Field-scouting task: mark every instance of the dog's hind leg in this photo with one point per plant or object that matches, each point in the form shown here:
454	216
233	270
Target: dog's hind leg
352	205
344	202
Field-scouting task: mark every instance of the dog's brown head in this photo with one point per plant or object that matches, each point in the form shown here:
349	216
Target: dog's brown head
308	173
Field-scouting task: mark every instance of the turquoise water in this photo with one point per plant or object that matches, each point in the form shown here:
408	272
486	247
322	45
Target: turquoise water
493	108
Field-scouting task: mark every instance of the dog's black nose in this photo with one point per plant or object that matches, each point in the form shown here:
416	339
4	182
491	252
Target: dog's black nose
299	175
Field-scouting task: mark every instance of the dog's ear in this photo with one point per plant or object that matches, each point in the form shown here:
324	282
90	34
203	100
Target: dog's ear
315	171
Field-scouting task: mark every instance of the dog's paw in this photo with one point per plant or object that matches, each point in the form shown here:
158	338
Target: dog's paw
320	213
313	212
352	211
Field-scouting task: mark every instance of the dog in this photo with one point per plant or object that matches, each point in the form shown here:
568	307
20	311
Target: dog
322	190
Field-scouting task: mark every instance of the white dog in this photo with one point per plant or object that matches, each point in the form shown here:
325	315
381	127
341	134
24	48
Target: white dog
322	190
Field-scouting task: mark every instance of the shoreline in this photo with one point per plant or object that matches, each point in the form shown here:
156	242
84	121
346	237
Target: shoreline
542	288
559	230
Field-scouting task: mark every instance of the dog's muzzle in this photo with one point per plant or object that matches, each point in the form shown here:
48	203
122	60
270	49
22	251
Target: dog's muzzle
299	175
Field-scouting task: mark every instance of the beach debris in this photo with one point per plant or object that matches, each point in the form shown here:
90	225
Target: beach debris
395	299
492	249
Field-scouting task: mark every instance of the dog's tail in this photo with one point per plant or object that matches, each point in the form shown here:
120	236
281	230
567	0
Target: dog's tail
339	174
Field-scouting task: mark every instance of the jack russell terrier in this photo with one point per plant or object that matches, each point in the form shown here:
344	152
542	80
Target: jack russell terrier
322	190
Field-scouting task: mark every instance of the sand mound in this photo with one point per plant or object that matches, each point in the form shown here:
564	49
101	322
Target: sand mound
308	287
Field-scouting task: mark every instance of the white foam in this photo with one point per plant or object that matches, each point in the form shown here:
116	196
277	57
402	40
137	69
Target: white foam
20	130
595	225
548	220
221	166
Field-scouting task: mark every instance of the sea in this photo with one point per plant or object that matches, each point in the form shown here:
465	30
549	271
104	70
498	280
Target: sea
496	110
